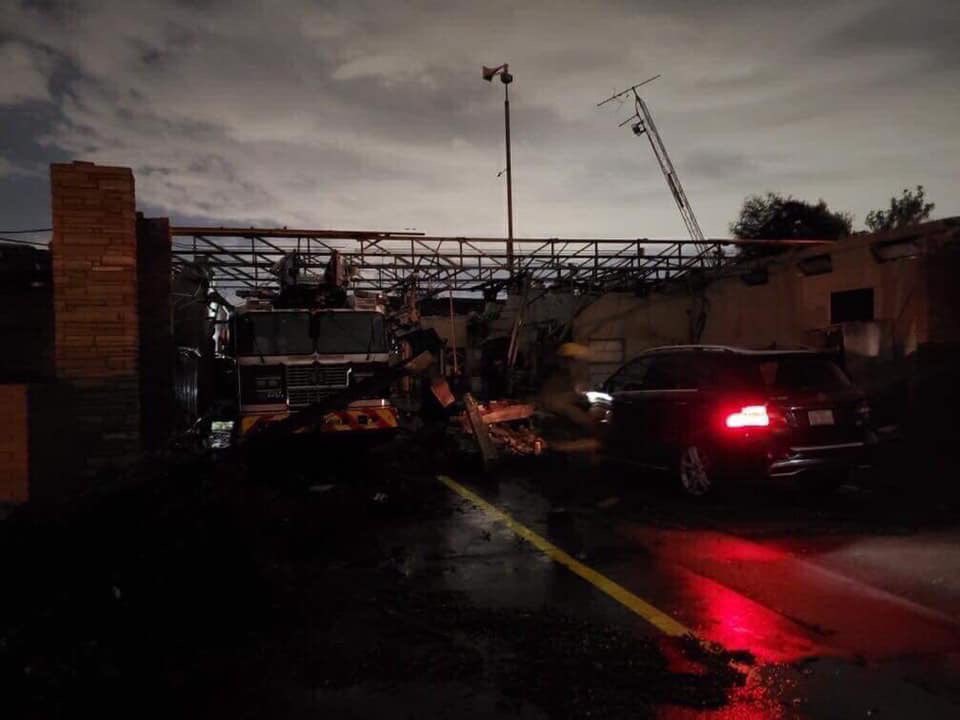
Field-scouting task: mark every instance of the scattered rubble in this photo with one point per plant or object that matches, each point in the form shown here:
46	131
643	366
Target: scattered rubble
501	426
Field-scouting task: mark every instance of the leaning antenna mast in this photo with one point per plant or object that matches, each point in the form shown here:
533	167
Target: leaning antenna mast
643	125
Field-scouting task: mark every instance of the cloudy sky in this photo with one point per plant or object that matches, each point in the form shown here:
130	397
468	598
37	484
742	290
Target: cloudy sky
367	114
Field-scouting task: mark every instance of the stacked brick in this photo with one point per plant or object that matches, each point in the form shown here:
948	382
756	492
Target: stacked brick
95	308
14	455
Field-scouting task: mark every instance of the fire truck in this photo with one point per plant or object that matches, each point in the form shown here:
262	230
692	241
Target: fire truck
309	340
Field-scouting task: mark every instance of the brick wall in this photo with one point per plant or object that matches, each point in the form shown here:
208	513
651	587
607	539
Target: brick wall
14	438
96	338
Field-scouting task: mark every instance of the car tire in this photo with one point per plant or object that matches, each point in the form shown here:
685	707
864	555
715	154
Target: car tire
693	471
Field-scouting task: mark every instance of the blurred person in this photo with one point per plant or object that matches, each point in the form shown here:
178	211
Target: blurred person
562	393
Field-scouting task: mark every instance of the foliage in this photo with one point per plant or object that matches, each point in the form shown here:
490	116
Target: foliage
775	217
908	209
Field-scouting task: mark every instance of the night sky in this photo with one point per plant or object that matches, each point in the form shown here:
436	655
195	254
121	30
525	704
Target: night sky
373	115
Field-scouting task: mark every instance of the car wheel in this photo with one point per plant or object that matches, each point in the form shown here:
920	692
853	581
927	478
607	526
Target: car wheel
694	471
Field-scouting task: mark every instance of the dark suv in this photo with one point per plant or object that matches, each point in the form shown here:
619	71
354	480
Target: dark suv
708	412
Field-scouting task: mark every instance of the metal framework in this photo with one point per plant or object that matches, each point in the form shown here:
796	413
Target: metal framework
242	258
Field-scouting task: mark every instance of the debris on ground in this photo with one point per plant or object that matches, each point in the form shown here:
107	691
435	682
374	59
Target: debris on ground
506	423
498	411
472	423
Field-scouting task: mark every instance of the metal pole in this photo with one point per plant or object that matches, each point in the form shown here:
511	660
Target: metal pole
506	125
453	336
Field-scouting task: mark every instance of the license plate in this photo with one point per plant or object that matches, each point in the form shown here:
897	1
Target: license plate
820	417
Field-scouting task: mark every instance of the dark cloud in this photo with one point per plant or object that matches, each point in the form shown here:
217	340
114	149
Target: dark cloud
716	164
928	29
24	201
372	114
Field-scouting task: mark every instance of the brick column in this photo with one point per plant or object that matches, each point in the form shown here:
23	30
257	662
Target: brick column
95	310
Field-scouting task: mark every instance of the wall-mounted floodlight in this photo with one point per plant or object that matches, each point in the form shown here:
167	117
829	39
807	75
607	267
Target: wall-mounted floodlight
502	70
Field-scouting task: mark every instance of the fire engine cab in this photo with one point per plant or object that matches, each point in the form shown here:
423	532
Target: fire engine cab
310	340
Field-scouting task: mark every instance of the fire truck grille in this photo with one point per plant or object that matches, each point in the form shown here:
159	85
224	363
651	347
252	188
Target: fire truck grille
301	397
309	383
317	375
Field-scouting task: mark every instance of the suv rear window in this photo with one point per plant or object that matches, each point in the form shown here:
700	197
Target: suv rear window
796	373
698	370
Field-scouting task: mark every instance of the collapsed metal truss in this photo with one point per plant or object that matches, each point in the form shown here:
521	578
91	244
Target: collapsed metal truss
243	258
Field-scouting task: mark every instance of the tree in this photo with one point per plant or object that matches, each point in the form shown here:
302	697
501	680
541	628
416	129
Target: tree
775	217
908	209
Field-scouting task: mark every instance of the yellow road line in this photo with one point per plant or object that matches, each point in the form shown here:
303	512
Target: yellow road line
648	612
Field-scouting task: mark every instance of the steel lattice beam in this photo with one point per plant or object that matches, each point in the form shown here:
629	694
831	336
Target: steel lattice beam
384	261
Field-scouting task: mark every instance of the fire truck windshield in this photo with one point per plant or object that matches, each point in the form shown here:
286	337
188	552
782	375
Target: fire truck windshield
299	332
341	333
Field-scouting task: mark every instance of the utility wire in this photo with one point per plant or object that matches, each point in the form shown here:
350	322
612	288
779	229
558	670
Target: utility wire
26	232
30	243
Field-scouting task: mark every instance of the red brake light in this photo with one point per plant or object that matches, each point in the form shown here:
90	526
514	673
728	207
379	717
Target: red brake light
749	416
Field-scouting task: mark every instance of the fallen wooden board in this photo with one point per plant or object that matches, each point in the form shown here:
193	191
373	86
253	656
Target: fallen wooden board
519	411
488	451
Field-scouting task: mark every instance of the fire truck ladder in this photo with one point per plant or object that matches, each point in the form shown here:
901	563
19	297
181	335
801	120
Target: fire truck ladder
643	124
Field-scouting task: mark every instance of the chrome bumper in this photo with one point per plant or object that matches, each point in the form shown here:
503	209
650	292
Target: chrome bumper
806	458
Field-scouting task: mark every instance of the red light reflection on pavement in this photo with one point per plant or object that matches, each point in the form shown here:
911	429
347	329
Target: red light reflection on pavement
723	616
767	692
762	598
722	548
714	611
753	701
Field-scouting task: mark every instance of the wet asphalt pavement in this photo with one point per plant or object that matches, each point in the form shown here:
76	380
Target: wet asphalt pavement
375	590
850	604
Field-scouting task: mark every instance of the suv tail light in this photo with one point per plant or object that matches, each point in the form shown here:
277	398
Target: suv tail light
748	416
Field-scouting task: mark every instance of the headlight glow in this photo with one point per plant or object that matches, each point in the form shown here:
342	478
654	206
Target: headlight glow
596	396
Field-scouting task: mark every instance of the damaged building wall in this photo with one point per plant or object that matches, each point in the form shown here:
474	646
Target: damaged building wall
908	300
482	329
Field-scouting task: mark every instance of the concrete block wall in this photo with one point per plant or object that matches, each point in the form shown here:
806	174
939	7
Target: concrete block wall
96	330
14	444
